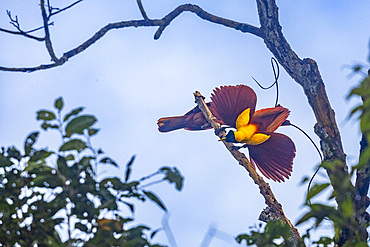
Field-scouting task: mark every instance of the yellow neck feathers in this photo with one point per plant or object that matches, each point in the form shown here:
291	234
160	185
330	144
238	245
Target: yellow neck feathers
247	132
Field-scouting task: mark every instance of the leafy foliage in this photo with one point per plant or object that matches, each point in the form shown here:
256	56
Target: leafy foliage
275	233
47	195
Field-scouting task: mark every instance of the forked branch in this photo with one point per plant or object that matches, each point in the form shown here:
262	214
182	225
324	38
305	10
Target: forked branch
161	24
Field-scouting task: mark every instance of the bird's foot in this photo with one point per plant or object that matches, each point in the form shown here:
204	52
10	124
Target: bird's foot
238	147
217	131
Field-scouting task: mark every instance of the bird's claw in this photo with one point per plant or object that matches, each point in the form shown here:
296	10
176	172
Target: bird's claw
238	147
218	131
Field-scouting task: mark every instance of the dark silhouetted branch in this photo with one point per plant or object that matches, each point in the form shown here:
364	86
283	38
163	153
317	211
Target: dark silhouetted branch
63	9
48	43
25	34
160	23
142	11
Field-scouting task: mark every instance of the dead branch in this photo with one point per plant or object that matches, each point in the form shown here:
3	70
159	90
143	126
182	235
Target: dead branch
51	13
48	43
276	210
160	23
142	11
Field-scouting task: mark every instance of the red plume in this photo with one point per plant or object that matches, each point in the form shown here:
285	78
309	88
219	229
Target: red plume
274	157
269	119
229	101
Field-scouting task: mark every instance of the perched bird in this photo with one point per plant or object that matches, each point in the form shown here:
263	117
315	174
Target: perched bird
234	106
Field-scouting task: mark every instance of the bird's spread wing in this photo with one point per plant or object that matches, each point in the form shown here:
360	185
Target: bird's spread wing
228	102
274	158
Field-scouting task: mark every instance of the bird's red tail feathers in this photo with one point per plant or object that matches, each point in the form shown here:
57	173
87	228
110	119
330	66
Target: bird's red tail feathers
167	124
192	120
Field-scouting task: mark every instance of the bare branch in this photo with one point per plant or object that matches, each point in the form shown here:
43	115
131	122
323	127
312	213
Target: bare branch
65	8
25	34
264	187
161	23
142	11
15	23
48	44
245	28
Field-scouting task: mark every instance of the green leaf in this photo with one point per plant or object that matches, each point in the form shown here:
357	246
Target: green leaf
62	165
316	189
130	205
155	199
79	124
108	160
59	103
45	115
173	176
325	241
92	131
128	168
81	227
46	125
70	157
73	113
74	144
85	162
30	141
155	232
4	162
13	152
39	155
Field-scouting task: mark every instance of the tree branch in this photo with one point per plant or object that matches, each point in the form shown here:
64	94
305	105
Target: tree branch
245	28
16	24
306	73
276	210
48	44
63	9
160	23
23	33
142	11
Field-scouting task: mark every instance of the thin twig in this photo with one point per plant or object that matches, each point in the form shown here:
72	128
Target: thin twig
65	8
142	10
25	34
264	187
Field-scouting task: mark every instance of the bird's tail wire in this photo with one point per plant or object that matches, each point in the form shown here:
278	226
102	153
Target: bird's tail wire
276	76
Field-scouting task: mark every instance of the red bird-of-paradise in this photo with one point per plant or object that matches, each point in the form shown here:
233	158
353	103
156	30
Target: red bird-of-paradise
234	106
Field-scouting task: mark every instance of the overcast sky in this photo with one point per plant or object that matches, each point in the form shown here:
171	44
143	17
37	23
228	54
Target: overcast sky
128	80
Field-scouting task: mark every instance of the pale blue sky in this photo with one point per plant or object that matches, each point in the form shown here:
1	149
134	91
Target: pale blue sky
128	81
